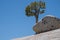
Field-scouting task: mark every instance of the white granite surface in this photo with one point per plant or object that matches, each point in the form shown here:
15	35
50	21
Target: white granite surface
50	35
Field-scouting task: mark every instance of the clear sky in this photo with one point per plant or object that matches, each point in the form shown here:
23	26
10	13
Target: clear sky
13	21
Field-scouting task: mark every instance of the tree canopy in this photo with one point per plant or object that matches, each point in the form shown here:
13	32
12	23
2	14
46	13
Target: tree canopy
35	8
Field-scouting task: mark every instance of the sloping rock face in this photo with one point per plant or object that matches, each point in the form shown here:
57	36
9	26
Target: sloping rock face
51	35
48	23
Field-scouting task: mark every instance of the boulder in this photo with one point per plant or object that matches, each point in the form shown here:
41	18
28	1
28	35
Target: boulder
48	23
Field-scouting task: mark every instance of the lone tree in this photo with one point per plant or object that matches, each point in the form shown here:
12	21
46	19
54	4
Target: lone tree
35	8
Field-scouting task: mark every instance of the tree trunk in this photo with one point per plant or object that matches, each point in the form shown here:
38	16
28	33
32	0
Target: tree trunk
36	18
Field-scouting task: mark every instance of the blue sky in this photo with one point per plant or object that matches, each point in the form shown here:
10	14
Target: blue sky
13	21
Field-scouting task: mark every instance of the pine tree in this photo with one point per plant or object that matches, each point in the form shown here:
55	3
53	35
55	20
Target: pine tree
35	8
